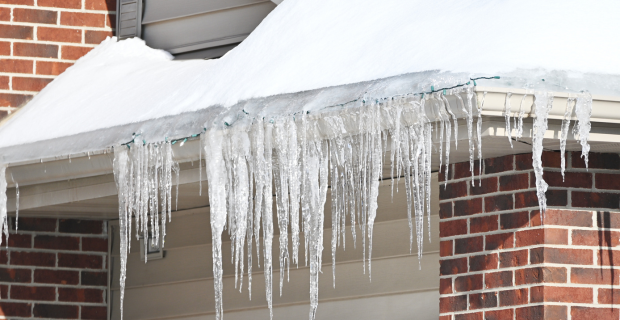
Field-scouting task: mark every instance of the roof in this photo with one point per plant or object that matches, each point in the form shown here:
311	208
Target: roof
125	87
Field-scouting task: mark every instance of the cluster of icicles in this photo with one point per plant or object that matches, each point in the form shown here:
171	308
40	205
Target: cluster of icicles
305	155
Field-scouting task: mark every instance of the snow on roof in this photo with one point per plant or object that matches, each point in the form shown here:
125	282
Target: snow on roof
311	44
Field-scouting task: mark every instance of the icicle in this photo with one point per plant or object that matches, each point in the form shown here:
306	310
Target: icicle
479	138
121	177
519	124
267	216
16	206
507	112
470	130
3	202
200	170
564	132
542	102
216	178
583	110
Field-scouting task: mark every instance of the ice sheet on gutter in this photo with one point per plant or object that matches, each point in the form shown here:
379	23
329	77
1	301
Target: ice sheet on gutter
126	87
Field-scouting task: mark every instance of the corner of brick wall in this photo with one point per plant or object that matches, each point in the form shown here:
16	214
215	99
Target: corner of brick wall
54	268
40	39
498	261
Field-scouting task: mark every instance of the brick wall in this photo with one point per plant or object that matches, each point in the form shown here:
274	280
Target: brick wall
499	262
54	268
39	39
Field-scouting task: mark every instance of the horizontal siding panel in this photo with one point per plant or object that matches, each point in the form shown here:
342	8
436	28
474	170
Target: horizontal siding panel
393	275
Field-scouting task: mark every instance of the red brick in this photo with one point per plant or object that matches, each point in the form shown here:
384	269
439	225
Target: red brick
70	4
512	297
514	220
498	203
506	314
551	159
4	291
526	199
35	16
35	224
608	257
80	19
468	316
105	5
95	244
499	164
74	53
5	48
557	198
94	278
57	277
597	160
33	259
30	84
20	2
601	238
14	275
483	262
561	294
462	170
94	313
18	240
80	226
445	248
14	100
451	304
56	243
540	275
595	276
608	220
441	175
16	32
55	310
468	245
33	293
483	224
534	237
608	181
4	82
571	179
110	21
453	190
561	217
523	161
52	68
542	312
15	309
564	256
85	261
452	266
59	34
513	258
5	14
445	210
595	200
514	182
80	295
35	50
486	185
499	241
4	257
448	317
594	313
445	286
96	37
467	207
468	283
482	300
608	296
452	228
498	279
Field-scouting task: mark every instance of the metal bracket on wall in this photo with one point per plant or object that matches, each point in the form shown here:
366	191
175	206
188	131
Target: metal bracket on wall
129	19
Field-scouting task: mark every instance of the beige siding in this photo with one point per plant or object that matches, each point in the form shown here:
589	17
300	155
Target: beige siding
180	286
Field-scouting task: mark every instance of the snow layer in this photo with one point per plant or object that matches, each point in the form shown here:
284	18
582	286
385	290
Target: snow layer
310	44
